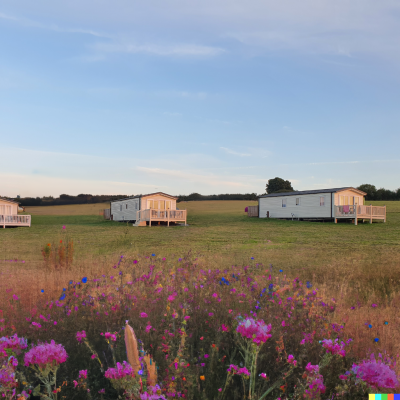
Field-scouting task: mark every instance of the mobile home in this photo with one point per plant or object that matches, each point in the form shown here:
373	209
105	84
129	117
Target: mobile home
323	204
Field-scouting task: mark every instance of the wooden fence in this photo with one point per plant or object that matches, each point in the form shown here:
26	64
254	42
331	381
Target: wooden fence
252	211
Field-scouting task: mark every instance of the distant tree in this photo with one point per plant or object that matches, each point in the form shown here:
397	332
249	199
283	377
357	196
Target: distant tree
398	194
369	189
278	184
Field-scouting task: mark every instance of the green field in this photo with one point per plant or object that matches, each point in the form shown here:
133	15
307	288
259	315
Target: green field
364	255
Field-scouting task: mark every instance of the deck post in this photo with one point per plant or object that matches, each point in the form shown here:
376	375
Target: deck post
355	219
168	212
185	217
370	219
384	220
150	218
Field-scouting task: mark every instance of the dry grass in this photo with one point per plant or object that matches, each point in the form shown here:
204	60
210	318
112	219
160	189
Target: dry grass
357	266
78	209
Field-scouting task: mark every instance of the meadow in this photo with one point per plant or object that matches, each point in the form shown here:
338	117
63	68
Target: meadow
355	270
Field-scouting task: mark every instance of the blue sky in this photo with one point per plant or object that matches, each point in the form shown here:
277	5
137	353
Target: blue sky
212	96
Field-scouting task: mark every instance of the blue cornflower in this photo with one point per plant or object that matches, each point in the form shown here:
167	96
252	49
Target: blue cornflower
281	270
386	323
252	258
64	289
270	286
309	286
42	291
376	340
84	280
120	273
62	296
153	255
369	326
70	282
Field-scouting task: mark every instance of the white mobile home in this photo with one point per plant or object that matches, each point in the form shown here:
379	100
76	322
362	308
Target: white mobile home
9	214
145	209
324	204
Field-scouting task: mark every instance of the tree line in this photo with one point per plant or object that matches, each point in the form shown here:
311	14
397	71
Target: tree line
66	199
227	196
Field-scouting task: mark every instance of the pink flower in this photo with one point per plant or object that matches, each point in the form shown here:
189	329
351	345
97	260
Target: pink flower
46	353
206	355
83	374
257	330
283	323
15	297
235	370
215	295
376	373
121	371
187	317
291	360
143	315
224	328
75	384
148	328
263	375
80	336
93	356
220	390
334	347
109	335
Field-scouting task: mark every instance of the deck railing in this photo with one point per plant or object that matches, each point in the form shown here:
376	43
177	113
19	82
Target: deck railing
15	220
361	212
161	215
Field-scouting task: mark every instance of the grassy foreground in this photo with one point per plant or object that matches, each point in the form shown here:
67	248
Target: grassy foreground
355	268
366	256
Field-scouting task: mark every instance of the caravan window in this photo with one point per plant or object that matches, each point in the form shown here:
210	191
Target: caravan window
120	207
127	206
297	201
284	202
322	201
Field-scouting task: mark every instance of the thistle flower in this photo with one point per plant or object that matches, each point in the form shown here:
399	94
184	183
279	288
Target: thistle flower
44	354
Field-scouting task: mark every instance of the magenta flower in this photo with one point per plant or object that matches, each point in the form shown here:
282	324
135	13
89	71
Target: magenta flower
334	347
15	297
376	373
263	375
80	336
83	374
235	370
44	354
143	315
148	328
257	330
121	371
111	336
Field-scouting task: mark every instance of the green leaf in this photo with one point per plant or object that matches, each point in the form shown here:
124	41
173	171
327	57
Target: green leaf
36	391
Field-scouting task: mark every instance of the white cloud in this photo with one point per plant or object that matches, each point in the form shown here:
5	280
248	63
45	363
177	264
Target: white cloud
159	50
235	153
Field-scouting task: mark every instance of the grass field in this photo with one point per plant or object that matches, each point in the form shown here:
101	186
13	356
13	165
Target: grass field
350	265
365	255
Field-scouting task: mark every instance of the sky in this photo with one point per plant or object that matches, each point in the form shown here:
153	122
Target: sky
207	96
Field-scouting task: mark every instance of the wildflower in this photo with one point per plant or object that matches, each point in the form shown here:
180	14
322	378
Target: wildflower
63	227
263	375
334	347
291	360
224	328
202	377
46	353
93	356
15	297
80	336
257	330
376	373
83	374
153	255
121	371
143	315
206	355
148	328
374	305
84	279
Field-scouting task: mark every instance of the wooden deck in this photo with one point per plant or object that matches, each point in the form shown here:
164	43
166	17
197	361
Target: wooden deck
15	220
151	215
357	212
